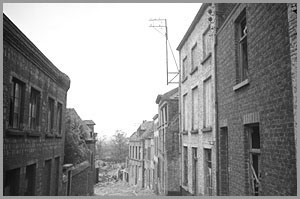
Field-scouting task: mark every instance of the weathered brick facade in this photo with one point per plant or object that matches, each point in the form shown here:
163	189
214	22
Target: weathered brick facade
32	154
262	103
167	145
197	106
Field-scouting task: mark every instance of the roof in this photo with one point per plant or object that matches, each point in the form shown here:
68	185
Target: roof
143	131
89	122
193	25
172	94
14	36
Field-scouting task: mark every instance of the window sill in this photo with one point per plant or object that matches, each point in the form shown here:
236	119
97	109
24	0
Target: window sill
33	134
194	70
15	132
58	135
206	58
196	131
206	129
184	79
185	187
241	84
184	132
49	135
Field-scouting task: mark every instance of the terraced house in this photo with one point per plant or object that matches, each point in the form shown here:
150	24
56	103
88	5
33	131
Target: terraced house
34	105
256	74
197	106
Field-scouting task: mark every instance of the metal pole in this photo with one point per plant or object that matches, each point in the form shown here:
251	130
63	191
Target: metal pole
167	50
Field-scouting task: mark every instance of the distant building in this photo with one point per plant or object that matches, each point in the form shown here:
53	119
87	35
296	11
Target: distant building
136	155
147	137
166	138
34	104
256	74
197	107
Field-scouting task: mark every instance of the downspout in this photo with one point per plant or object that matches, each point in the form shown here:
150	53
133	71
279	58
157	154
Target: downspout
180	124
216	99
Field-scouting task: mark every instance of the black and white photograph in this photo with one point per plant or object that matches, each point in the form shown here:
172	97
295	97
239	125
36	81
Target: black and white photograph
149	99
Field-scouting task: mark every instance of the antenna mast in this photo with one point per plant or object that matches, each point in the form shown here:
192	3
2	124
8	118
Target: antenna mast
162	23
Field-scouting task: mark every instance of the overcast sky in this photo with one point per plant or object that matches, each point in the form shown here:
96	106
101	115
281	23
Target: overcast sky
115	61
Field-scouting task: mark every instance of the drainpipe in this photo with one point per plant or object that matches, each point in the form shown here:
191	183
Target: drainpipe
214	11
180	124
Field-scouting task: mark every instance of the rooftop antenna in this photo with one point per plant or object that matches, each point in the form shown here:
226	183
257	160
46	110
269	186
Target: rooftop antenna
162	23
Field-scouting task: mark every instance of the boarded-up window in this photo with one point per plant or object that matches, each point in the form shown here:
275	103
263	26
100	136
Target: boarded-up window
195	108
185	165
207	103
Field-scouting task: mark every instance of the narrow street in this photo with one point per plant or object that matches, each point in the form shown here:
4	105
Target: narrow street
120	188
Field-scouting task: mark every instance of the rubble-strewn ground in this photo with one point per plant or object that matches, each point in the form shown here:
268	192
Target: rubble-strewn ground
120	188
109	185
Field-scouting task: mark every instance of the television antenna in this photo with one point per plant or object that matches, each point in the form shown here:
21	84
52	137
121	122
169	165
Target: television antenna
162	24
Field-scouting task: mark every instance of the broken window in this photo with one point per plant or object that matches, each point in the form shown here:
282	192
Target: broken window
16	104
185	165
34	109
208	172
241	34
255	172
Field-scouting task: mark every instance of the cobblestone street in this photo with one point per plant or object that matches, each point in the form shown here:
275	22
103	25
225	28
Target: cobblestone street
120	188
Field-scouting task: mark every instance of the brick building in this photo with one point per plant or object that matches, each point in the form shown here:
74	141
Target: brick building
167	144
197	107
136	155
256	75
148	156
34	103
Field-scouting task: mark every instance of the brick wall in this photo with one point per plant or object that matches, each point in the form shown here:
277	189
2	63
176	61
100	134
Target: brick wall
23	147
269	94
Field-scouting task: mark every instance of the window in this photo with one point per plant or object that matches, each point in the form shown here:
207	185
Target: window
47	178
12	182
195	108
140	152
185	165
194	169
30	180
185	113
16	104
208	172
194	57
50	114
207	43
59	117
184	68
224	186
241	34
149	153
34	109
255	171
207	103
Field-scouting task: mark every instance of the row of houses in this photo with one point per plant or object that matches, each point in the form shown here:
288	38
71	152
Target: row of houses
230	128
36	160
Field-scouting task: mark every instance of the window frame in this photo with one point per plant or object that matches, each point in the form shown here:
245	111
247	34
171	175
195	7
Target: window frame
51	118
242	68
34	93
12	104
